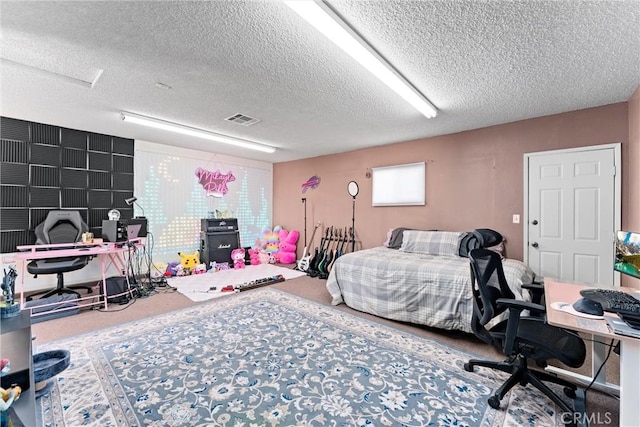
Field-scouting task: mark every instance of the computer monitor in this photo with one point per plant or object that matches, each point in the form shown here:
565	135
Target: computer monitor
627	258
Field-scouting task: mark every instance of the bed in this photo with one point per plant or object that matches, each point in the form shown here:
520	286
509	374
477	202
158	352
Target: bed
425	281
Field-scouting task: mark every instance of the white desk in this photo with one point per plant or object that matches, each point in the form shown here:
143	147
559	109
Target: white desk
110	254
629	347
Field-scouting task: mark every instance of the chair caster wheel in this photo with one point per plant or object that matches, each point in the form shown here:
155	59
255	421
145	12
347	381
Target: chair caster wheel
570	392
468	367
494	402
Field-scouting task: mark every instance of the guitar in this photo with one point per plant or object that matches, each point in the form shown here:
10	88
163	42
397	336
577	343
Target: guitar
339	251
325	254
324	266
320	253
303	264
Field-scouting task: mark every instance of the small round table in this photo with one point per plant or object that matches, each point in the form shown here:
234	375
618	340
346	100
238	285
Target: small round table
47	365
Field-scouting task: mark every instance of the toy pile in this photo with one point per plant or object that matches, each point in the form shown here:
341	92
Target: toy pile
275	246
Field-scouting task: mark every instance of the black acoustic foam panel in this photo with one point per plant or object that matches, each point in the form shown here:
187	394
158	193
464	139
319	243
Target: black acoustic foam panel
45	176
17	130
45	167
45	134
73	158
100	143
99	180
122	164
74	178
122	181
45	155
11	239
14	151
100	199
123	146
74	198
43	197
72	138
14	219
14	173
14	196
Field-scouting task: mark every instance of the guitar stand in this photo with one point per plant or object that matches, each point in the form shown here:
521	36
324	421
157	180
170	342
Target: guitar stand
320	269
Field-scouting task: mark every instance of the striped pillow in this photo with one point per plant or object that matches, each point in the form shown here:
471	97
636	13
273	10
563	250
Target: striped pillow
431	242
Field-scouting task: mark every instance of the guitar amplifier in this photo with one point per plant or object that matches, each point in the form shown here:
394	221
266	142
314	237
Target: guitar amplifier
218	225
218	246
114	231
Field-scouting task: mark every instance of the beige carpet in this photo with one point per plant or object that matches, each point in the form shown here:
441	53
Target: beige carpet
164	299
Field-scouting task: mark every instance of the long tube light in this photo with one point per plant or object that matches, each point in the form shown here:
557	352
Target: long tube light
191	131
321	16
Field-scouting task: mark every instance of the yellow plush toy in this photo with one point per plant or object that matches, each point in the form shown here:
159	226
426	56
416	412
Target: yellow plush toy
189	262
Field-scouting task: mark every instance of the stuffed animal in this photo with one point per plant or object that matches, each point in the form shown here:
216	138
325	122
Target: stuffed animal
263	256
189	261
181	270
158	269
171	269
272	240
287	248
221	266
200	268
254	256
237	255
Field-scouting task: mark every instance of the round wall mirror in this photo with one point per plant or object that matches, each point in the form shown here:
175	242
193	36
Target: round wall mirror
353	188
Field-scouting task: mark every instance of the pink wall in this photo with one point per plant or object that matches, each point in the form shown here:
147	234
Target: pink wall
474	178
631	177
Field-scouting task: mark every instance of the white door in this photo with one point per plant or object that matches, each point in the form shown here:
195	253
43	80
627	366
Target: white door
573	213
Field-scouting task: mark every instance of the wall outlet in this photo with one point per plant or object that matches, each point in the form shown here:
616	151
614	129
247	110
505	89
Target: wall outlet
516	219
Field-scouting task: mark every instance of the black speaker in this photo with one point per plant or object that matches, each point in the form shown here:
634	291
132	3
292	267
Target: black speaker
114	231
218	225
116	288
218	246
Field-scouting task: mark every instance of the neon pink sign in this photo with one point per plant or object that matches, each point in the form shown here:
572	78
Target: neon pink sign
214	182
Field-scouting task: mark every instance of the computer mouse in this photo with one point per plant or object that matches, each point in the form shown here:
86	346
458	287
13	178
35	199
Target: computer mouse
588	306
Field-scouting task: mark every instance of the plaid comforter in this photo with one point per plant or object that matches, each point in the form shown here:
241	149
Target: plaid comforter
429	290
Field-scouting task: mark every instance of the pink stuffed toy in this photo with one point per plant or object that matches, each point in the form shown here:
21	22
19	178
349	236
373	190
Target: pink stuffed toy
254	256
287	249
263	256
237	255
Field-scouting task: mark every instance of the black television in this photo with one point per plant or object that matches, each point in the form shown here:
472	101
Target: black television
627	259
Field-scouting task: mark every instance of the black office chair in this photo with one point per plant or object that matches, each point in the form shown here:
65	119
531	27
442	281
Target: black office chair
59	227
519	337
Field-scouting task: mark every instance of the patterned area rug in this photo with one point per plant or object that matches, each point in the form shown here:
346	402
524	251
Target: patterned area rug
268	358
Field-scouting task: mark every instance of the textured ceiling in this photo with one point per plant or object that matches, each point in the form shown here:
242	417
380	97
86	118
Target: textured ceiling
481	63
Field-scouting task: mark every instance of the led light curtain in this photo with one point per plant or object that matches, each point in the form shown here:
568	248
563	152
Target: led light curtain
174	201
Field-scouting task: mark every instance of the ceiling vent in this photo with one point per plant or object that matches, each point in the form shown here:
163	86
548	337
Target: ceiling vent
243	120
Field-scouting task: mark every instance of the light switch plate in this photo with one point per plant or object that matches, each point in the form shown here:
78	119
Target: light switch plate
516	219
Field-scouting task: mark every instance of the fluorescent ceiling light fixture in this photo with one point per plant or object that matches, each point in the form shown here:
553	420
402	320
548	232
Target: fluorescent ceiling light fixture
321	16
198	133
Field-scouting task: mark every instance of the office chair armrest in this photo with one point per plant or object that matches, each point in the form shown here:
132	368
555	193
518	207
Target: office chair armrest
519	305
515	307
537	291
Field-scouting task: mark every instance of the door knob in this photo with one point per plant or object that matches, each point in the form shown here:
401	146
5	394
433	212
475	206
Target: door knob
534	244
534	222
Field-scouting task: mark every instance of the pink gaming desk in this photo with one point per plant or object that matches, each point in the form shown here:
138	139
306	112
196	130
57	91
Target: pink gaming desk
111	255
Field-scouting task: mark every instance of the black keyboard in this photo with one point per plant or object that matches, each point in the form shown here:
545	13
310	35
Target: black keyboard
614	301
